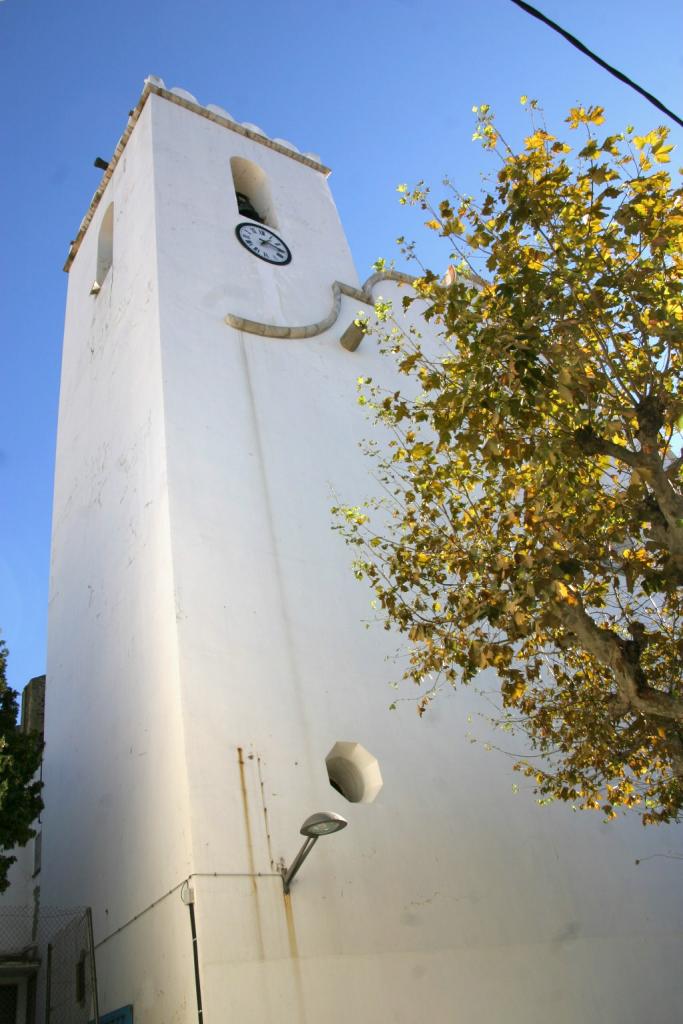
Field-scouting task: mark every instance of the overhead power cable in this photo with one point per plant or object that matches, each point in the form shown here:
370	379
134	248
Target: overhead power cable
598	60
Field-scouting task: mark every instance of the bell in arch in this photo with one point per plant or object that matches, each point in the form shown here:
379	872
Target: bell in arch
246	208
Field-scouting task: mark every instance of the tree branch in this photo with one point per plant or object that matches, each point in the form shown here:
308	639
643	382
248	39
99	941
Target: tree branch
622	657
649	462
591	443
672	469
650	416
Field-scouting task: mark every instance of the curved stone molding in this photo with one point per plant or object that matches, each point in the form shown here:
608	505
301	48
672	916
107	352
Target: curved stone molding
351	337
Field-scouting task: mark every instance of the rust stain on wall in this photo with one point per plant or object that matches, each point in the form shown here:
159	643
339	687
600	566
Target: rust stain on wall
265	814
247	819
294	954
291	928
250	851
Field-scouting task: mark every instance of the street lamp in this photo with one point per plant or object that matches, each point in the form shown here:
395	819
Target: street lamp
323	823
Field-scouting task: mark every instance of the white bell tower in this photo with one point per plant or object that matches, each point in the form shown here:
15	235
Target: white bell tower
207	655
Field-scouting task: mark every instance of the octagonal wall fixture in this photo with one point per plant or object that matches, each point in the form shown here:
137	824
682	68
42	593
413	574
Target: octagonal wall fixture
354	772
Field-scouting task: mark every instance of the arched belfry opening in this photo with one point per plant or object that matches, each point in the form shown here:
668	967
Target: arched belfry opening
105	245
252	191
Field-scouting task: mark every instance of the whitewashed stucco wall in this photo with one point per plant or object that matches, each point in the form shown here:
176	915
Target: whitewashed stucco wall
115	833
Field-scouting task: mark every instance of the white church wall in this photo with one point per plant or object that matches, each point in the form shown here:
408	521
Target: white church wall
115	794
447	866
219	521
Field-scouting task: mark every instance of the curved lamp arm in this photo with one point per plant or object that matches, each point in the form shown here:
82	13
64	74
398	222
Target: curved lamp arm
322	823
308	844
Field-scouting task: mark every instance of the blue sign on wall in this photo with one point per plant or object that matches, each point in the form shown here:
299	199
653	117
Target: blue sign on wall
124	1015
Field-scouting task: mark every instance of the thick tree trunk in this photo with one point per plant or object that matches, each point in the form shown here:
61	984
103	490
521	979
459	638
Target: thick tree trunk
622	658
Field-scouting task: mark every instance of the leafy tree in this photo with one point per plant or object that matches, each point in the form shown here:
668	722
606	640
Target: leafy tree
20	753
534	518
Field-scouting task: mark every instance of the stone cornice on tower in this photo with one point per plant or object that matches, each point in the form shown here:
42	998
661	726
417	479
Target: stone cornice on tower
155	86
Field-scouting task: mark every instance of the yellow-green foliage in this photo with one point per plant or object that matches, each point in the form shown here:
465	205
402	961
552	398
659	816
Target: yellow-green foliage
535	524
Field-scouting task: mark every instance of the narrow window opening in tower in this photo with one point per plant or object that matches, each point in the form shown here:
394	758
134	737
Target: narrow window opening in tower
252	192
105	247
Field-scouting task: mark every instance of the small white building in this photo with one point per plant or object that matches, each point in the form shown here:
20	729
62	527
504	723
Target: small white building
207	654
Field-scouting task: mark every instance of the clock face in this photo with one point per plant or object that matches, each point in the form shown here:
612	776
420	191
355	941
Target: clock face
262	242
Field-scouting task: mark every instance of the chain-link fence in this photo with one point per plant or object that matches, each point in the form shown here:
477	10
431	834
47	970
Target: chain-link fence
18	934
60	940
71	977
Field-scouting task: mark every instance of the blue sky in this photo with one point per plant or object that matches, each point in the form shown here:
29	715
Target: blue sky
383	91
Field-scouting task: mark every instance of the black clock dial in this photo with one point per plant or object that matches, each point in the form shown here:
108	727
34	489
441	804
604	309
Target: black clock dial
264	243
